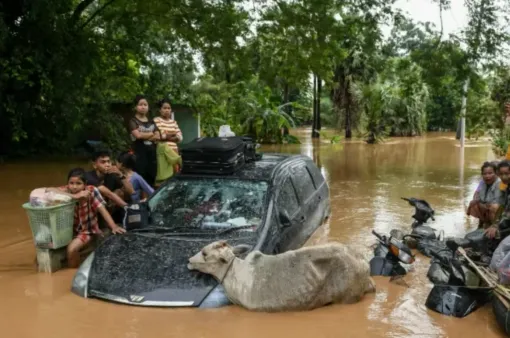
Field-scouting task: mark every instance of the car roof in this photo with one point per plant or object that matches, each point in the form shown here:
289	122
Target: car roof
260	170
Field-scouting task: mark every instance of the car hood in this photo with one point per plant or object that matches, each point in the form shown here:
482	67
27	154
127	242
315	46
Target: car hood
147	269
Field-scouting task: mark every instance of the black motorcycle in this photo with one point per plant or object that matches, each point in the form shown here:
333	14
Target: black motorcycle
423	237
422	213
457	289
447	268
388	256
479	247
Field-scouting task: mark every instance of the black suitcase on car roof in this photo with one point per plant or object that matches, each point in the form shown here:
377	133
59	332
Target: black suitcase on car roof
213	155
250	150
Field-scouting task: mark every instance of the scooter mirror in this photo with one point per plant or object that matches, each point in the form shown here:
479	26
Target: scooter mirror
452	245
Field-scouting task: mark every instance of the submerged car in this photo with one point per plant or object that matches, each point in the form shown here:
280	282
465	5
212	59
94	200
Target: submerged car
273	204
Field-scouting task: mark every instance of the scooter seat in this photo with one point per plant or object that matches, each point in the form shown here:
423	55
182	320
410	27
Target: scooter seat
461	242
425	232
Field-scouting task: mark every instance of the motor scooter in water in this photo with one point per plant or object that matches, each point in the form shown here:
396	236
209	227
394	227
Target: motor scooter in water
457	289
388	256
423	237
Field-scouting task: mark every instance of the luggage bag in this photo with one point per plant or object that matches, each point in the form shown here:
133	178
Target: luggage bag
213	155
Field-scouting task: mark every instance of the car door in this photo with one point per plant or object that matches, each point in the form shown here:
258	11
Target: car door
321	199
310	216
289	216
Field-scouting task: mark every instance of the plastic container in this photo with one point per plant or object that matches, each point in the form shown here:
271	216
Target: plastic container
52	227
504	270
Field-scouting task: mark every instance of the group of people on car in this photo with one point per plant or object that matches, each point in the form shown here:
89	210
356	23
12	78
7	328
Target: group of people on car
154	157
109	187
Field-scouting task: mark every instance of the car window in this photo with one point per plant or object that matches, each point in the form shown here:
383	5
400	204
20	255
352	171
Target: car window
303	183
209	203
316	175
287	199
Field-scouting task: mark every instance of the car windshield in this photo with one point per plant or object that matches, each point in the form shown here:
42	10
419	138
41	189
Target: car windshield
196	203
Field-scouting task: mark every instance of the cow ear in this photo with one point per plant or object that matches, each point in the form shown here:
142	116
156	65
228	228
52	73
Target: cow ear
240	249
221	244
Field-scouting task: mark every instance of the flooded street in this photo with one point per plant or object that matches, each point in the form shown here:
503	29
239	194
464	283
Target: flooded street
366	183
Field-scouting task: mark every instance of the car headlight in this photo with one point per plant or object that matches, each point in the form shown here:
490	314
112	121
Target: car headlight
216	298
81	278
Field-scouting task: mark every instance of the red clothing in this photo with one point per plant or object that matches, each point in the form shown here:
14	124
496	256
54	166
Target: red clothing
204	209
85	214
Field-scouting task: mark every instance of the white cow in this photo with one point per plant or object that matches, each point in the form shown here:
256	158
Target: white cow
301	279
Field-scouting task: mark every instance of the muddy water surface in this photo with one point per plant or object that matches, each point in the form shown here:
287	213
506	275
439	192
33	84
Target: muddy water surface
366	185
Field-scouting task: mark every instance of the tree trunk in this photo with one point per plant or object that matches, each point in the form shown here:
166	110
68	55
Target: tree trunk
348	117
319	93
317	115
314	104
228	80
287	108
462	125
82	6
462	120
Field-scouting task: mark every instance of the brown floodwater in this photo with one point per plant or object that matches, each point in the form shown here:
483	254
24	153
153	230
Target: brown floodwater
366	183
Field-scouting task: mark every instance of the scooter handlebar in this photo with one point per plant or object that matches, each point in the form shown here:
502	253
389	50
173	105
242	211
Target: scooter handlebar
378	235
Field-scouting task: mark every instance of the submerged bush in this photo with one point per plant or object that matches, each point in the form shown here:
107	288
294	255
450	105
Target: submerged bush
500	140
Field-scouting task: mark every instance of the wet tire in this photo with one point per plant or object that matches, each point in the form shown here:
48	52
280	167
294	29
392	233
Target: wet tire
502	315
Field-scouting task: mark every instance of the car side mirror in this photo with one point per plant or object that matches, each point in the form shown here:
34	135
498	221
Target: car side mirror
284	218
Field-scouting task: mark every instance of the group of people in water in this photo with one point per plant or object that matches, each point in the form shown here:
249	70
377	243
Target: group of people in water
491	201
109	188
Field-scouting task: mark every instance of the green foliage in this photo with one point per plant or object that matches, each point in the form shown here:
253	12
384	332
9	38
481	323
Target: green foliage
378	102
329	117
395	103
500	139
253	110
64	63
333	138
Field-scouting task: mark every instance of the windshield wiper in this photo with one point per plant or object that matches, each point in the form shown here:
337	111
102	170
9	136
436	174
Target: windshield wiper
206	233
170	232
151	228
247	226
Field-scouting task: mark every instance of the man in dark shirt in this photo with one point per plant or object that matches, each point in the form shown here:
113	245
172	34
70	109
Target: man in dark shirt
111	183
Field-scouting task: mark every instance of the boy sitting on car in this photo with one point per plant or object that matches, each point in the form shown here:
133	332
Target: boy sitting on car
111	183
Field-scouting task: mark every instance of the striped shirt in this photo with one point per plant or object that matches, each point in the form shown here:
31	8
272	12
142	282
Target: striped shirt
169	127
85	212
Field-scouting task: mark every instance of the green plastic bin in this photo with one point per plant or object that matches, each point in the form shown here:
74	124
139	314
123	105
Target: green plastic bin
52	227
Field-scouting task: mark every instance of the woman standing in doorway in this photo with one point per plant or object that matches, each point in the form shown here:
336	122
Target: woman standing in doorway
144	134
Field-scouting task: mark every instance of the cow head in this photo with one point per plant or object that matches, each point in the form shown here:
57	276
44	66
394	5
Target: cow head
216	257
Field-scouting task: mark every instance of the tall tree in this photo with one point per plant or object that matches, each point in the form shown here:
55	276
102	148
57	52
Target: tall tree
485	37
358	36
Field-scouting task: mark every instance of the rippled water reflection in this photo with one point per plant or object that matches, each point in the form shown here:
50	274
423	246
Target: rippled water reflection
366	184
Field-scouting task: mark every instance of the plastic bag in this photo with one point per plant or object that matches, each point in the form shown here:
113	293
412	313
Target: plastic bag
499	254
504	270
40	198
225	131
43	235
